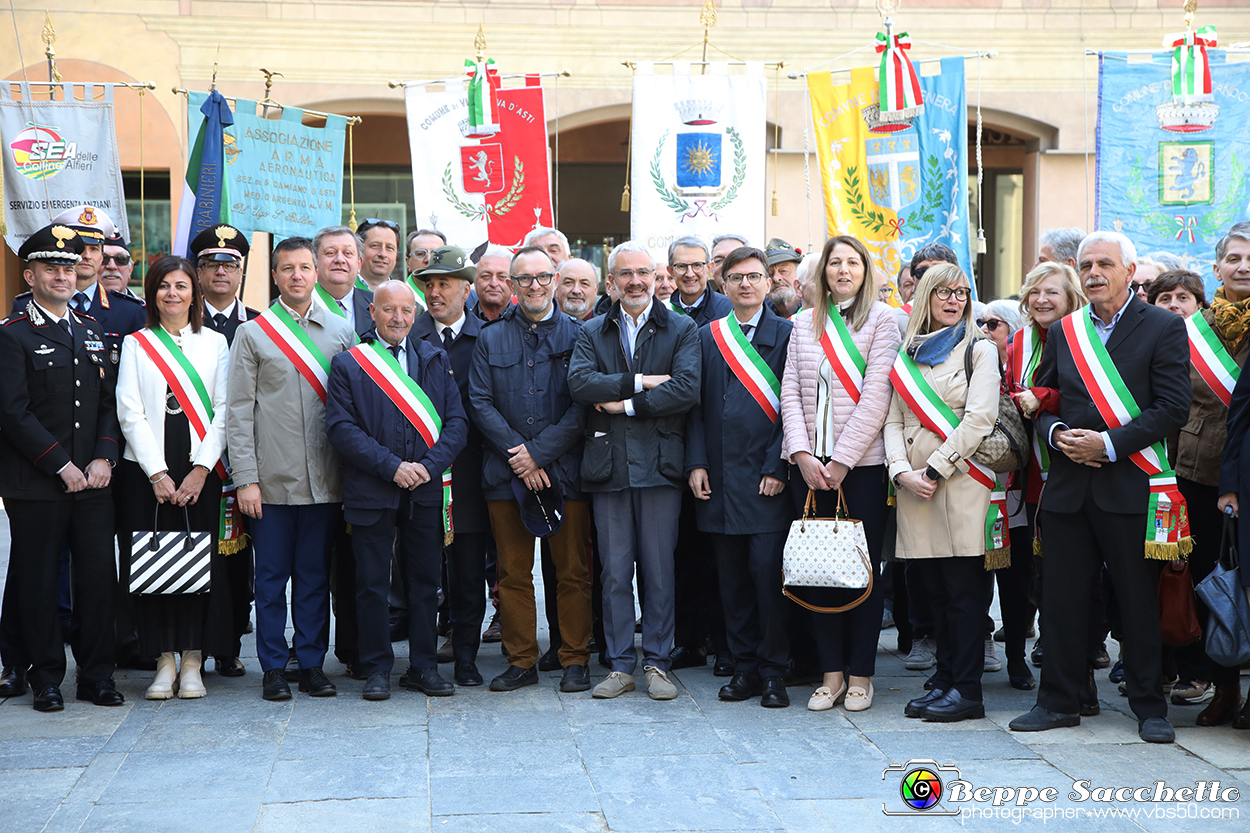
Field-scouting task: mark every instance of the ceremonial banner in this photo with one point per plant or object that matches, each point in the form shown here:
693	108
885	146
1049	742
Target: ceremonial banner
205	194
698	155
480	188
1172	167
58	154
895	186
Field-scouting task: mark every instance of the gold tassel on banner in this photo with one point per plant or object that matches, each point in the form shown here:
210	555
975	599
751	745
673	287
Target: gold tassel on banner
233	545
1156	551
1037	547
998	559
629	152
625	193
776	131
351	175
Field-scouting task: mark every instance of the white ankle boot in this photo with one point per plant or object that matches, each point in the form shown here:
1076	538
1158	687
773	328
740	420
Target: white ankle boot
190	685
166	681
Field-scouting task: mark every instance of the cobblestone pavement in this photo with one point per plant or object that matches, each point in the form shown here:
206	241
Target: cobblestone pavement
539	760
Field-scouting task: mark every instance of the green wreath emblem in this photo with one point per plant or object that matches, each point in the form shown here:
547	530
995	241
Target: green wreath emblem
678	204
506	204
875	220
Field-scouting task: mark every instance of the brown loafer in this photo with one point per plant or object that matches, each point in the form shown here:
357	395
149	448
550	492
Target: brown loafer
1223	706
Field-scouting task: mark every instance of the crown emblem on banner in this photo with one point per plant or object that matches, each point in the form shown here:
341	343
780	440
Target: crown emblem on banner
872	117
1187	117
695	111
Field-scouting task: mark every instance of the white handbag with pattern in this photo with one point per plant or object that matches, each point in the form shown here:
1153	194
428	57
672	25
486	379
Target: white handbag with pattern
826	552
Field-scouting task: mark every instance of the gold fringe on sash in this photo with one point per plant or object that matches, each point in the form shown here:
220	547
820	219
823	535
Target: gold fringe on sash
233	545
998	559
1168	551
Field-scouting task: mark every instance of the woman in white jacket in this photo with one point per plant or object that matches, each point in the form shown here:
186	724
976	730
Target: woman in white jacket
168	466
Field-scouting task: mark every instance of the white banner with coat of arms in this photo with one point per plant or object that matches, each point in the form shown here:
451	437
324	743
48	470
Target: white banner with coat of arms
698	155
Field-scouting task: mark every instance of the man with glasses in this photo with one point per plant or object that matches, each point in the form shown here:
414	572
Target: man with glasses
117	266
380	246
533	432
417	250
722	245
638	368
689	262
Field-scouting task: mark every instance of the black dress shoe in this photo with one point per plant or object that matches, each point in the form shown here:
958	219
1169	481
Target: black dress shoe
681	657
48	699
774	694
952	707
13	682
1036	656
743	686
101	693
466	673
1089	696
915	708
274	686
1117	672
494	631
513	678
291	671
377	687
428	682
1101	659
230	666
399	628
1156	730
353	670
576	678
1040	720
550	661
724	666
316	683
1019	675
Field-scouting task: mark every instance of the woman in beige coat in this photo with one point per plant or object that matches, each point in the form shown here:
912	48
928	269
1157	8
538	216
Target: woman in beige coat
941	508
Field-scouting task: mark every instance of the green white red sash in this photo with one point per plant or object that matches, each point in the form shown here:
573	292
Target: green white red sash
360	283
929	408
906	308
332	304
747	364
184	380
412	284
297	346
1024	367
674	307
845	360
1211	358
406	395
1167	518
997	539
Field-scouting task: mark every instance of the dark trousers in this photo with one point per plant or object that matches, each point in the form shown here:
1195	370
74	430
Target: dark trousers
750	591
1076	545
239	577
1206	524
38	531
419	533
698	594
292	545
1013	588
466	588
343	593
848	641
957	588
920	605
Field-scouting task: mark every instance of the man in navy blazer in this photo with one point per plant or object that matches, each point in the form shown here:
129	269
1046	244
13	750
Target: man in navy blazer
392	482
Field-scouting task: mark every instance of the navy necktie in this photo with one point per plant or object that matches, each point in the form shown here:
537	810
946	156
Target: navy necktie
394	348
746	330
448	338
220	320
64	322
80	302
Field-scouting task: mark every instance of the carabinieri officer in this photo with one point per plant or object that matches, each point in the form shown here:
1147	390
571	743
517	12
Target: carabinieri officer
59	440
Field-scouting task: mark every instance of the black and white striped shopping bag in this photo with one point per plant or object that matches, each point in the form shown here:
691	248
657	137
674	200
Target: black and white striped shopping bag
170	562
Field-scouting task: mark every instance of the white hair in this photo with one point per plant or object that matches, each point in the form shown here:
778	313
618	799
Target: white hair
495	250
1009	311
629	246
543	231
1063	242
1128	252
807	267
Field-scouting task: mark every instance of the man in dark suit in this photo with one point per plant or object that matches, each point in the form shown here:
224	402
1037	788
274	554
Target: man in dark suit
59	440
447	325
1093	511
219	252
392	480
738	478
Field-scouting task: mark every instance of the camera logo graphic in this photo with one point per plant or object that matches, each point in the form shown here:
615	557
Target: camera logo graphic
921	788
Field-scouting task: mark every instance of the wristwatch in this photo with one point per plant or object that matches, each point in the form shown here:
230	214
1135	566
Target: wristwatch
932	474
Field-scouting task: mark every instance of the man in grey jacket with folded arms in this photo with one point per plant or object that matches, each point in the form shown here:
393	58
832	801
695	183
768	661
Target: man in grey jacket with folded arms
638	369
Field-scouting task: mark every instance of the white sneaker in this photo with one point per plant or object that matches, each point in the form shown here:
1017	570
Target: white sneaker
921	657
992	662
658	684
617	683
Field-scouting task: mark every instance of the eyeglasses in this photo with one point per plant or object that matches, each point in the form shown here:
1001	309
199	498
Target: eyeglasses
229	267
1139	286
374	222
752	278
120	260
961	293
990	324
421	253
683	268
543	278
628	274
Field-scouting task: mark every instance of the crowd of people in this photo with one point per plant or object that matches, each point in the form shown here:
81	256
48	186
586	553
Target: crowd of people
394	450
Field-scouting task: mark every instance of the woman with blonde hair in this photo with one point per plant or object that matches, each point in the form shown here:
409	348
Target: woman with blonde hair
834	396
938	417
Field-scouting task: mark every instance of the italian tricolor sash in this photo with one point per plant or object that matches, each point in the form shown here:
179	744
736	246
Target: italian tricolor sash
184	380
674	307
360	283
1167	519
296	345
844	357
331	303
406	395
412	284
1211	358
747	364
929	408
906	308
1027	356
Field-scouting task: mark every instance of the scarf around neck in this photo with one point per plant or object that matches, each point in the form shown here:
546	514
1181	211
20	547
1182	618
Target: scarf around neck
1231	317
934	348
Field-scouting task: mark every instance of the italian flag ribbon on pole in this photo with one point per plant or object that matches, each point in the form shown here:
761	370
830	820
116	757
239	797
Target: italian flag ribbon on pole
483	84
295	344
1027	357
747	364
940	418
1167	518
1191	66
1210	357
406	395
897	82
184	380
845	360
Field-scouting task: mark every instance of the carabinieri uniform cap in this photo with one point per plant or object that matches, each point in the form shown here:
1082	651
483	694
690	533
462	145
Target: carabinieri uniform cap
55	243
90	222
222	243
448	262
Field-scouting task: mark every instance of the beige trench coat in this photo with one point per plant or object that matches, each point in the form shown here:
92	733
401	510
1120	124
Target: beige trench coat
952	523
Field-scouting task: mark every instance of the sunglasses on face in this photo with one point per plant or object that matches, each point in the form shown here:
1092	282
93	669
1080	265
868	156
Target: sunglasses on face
374	222
120	260
1139	286
990	324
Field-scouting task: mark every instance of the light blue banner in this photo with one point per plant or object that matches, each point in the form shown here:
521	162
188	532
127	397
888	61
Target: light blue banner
1172	177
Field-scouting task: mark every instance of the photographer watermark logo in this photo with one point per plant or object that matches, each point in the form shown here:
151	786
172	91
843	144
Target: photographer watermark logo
920	788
